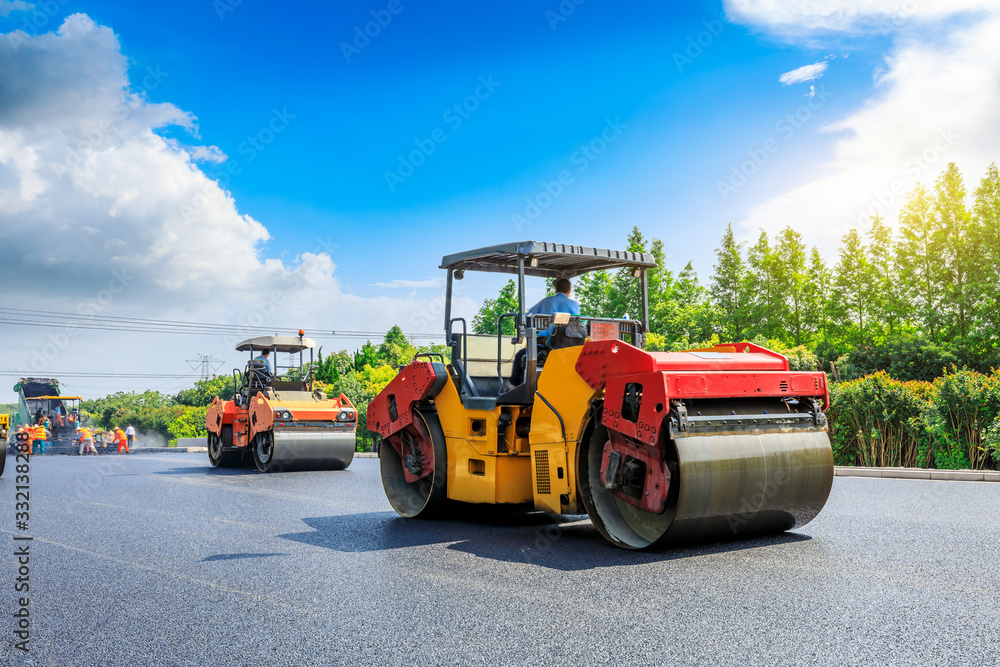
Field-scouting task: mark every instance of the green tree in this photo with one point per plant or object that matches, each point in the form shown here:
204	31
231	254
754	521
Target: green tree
816	293
889	297
593	291
956	238
918	255
794	278
731	288
485	321
330	369
625	294
987	212
396	350
851	300
204	391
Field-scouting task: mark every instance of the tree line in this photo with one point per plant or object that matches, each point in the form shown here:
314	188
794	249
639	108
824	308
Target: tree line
922	296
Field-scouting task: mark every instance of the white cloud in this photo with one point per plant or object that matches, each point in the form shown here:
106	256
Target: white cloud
207	154
8	6
88	187
934	101
803	74
805	18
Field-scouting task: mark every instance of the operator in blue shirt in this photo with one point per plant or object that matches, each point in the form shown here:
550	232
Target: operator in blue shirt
560	302
261	367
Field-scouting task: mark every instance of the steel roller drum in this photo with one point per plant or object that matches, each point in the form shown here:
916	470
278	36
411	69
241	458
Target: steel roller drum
734	485
313	450
726	486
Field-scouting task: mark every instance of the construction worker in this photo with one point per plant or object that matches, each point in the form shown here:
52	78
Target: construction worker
261	367
57	413
130	437
23	439
560	302
119	435
86	438
39	436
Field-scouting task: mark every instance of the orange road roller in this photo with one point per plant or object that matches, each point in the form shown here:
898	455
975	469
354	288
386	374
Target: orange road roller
280	421
657	448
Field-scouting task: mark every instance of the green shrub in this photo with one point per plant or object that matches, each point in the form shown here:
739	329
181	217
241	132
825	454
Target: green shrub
800	358
878	421
189	424
964	409
914	358
904	359
991	441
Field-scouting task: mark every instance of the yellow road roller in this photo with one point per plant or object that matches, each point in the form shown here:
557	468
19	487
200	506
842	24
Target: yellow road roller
656	447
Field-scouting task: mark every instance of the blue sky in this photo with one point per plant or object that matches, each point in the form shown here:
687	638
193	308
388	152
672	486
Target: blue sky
262	103
687	124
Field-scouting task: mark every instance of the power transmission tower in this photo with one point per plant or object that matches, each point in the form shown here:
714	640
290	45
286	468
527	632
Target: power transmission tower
206	363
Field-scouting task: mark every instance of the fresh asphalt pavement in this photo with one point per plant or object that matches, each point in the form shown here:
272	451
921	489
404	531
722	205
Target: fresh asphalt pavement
162	560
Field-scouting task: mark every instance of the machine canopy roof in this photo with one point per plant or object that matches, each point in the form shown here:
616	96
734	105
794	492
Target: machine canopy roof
546	260
280	343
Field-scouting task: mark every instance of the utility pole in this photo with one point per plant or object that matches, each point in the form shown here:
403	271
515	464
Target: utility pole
206	363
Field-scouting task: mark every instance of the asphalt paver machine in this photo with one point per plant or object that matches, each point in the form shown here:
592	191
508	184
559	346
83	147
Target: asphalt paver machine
656	447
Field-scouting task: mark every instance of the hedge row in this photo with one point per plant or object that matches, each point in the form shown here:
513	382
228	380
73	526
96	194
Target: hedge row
952	422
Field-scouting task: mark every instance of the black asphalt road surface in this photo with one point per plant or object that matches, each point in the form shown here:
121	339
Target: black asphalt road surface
163	560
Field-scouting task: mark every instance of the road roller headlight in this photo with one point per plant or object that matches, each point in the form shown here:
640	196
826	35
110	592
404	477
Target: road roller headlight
345	416
282	415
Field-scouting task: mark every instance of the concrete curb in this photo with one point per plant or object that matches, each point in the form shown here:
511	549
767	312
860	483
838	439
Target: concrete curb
918	473
365	455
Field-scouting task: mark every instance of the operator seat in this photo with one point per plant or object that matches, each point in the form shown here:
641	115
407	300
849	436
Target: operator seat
260	376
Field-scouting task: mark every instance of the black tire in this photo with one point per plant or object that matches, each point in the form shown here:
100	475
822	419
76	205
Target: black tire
218	454
263	452
620	523
426	497
3	459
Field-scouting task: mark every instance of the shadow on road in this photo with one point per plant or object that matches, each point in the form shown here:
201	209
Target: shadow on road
237	556
557	542
207	469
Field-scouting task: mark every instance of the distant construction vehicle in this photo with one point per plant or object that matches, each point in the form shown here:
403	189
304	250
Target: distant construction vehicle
280	422
39	399
656	447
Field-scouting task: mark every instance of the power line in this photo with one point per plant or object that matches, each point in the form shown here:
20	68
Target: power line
63	320
150	376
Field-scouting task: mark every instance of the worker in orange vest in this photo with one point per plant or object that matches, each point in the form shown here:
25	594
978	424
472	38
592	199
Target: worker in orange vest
122	444
86	441
40	437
